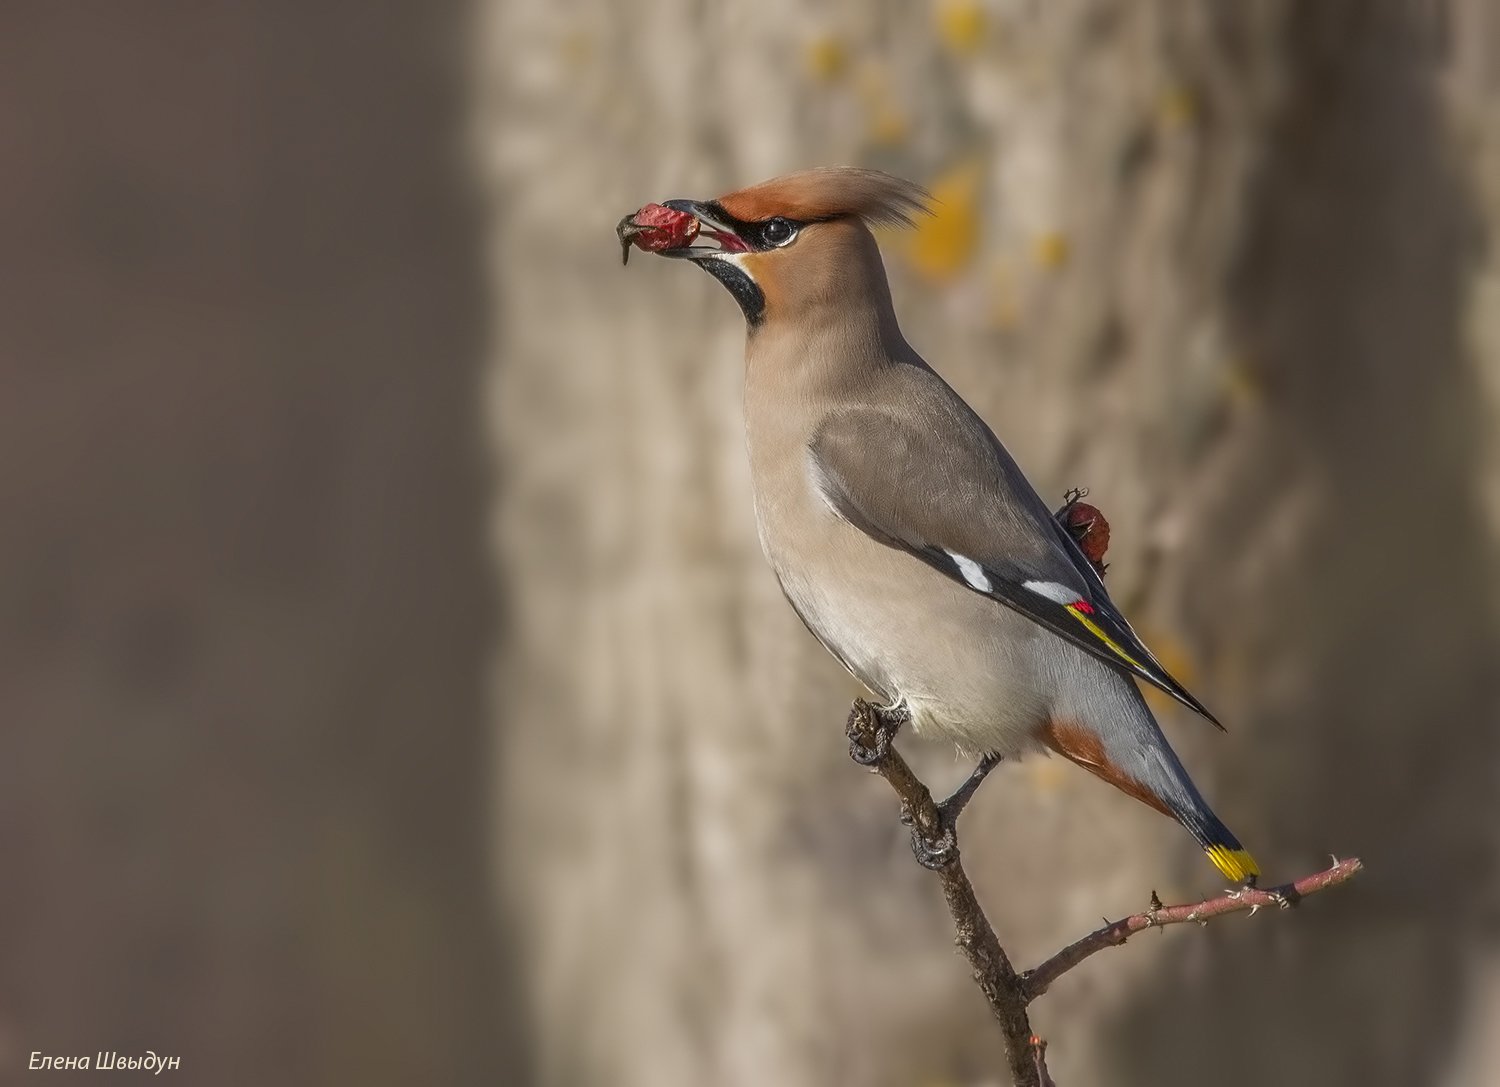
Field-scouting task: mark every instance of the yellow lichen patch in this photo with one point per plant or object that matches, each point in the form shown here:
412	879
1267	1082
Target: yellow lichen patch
944	242
961	25
577	49
1242	383
1176	106
1050	250
827	59
888	127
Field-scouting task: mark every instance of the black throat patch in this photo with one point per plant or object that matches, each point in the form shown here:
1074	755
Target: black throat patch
752	301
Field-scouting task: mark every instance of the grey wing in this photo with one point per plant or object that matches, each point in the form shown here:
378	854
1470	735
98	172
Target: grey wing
933	480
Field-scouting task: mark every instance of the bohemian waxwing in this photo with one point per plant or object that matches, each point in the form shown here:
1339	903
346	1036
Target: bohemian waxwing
902	532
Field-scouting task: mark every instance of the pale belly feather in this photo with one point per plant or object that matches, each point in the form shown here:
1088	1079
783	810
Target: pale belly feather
968	668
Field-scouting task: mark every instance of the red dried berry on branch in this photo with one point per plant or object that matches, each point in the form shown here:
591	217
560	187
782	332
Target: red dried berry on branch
1090	529
1087	526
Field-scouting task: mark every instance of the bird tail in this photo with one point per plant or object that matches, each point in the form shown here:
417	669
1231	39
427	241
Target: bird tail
1139	762
1222	847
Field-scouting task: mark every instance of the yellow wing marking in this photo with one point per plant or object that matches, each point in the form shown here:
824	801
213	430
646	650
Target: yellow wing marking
1093	628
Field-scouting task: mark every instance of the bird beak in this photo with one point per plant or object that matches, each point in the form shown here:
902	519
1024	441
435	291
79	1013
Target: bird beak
712	235
715	236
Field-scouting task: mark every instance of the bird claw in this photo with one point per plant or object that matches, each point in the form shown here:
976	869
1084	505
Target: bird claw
937	850
871	730
870	754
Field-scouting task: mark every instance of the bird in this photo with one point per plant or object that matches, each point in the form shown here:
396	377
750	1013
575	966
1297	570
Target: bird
902	532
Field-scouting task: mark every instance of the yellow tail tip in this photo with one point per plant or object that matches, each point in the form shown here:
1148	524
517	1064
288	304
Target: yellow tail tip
1236	864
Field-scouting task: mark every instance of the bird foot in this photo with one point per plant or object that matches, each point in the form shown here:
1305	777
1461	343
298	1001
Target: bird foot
871	730
938	848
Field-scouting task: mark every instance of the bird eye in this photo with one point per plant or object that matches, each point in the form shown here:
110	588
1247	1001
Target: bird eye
779	231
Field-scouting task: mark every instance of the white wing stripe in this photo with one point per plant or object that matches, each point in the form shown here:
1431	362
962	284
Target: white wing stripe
973	573
1058	594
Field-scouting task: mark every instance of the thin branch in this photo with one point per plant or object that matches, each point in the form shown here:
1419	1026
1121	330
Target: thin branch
870	733
935	843
1038	981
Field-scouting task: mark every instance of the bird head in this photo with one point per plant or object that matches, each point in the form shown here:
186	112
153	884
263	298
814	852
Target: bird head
787	245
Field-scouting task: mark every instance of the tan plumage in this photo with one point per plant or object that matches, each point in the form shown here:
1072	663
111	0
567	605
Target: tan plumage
900	529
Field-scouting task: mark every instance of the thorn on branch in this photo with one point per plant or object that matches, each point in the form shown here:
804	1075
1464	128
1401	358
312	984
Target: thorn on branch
1039	1057
1243	899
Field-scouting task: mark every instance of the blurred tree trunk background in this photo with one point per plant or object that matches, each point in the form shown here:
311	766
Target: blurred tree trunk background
242	795
1230	266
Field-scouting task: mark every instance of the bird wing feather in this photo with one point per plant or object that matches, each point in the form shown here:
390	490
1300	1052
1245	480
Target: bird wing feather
928	477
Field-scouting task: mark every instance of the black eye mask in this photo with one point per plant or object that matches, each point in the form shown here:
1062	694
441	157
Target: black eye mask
760	235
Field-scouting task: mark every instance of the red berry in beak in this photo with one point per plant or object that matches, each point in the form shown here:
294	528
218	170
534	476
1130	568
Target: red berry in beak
656	228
